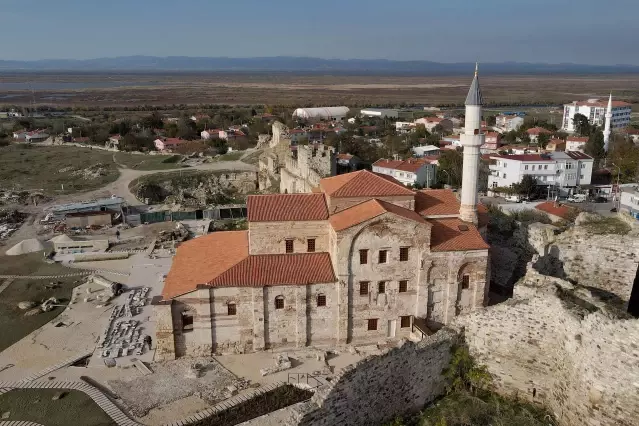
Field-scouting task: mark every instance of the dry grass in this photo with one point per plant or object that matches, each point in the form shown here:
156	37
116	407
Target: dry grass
291	89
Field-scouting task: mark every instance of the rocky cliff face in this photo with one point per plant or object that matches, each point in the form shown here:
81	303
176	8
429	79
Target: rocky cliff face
195	189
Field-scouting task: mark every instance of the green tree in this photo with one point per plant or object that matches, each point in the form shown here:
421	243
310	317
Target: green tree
464	374
527	186
542	140
451	162
595	146
582	125
491	120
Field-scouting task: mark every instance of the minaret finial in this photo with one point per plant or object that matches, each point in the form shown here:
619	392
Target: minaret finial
476	68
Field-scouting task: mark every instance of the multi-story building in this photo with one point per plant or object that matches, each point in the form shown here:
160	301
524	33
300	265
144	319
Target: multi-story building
361	259
414	171
492	142
356	263
508	122
595	110
534	133
431	122
563	170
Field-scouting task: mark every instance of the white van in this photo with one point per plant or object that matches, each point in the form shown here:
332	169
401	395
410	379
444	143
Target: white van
515	198
577	198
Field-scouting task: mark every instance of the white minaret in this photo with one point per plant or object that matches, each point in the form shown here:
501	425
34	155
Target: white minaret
471	140
606	131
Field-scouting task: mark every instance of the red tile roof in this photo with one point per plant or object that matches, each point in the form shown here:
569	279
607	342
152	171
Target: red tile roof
577	155
369	210
363	184
455	235
576	139
286	207
278	269
200	260
344	156
410	165
436	202
537	131
558	210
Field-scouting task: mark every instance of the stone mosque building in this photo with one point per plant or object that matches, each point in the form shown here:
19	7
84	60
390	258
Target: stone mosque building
359	260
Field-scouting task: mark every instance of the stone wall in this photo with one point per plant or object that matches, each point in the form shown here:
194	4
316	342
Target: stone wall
379	388
270	237
606	262
557	344
303	173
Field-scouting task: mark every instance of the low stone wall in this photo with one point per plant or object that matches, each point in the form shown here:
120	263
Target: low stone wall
554	344
377	389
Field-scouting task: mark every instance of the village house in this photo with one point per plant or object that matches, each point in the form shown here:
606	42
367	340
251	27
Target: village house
113	142
36	136
168	144
431	122
359	260
414	171
534	133
426	151
210	134
555	145
556	211
346	162
493	142
508	122
574	143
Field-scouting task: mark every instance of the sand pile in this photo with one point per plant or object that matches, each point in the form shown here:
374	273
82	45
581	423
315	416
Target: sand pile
25	246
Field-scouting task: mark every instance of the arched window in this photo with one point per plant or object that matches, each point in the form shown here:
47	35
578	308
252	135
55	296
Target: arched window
279	302
321	299
231	308
465	281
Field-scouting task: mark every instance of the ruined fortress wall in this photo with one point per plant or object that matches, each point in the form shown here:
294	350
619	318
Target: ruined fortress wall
606	262
584	368
382	387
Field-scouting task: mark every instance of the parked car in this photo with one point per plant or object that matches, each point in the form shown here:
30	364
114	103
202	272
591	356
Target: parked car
600	200
513	198
577	198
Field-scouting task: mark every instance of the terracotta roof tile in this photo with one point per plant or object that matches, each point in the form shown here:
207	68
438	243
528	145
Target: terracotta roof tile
538	130
286	207
436	202
524	157
455	235
410	165
559	210
369	210
200	260
278	269
363	184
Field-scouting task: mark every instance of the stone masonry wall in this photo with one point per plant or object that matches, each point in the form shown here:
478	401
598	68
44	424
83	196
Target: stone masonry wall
606	262
582	363
381	387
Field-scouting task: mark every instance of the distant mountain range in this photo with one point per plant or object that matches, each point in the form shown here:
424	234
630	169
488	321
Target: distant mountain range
303	65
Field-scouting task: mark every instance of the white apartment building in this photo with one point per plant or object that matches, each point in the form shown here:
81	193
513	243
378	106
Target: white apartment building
508	122
563	170
595	110
409	172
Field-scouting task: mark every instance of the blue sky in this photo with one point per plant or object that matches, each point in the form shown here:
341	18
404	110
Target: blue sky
580	31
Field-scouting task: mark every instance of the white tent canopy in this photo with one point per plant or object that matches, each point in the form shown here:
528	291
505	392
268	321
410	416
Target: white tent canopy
323	113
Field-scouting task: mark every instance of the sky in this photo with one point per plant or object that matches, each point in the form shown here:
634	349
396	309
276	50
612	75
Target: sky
548	31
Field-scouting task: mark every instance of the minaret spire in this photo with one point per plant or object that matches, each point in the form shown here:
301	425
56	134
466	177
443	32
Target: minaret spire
608	116
472	139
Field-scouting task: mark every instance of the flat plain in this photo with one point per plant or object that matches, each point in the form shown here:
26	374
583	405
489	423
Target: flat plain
135	89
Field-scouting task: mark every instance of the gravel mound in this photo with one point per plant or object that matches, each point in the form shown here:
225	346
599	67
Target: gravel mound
25	246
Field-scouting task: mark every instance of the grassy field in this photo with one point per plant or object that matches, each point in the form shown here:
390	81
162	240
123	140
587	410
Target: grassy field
148	162
37	405
13	323
253	158
231	156
27	167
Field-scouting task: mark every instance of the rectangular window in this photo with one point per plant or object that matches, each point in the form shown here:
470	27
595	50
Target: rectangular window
581	176
546	167
382	256
231	309
187	322
404	321
526	167
381	287
321	300
363	257
279	302
533	167
403	254
363	288
465	281
289	246
310	245
372	324
403	286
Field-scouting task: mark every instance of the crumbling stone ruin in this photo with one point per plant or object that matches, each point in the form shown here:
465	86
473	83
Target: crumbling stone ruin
195	189
297	171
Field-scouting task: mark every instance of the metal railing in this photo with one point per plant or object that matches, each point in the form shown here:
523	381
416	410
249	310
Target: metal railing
304	378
